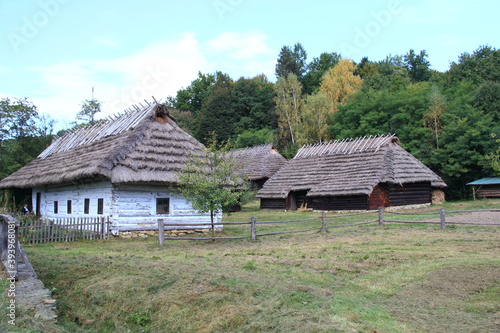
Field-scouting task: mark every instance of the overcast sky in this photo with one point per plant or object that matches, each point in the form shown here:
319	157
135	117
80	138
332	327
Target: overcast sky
55	51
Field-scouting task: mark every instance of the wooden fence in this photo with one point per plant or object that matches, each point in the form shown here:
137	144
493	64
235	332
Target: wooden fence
33	230
379	220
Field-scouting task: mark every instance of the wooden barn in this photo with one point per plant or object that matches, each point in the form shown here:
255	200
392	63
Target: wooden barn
351	174
486	187
124	168
258	163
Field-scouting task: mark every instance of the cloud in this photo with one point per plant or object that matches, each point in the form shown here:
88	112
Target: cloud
160	69
106	42
243	46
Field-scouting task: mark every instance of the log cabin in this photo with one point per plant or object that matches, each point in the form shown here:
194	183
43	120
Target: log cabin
351	174
123	167
258	163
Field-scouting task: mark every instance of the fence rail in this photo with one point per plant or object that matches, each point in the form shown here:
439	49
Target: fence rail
63	229
380	220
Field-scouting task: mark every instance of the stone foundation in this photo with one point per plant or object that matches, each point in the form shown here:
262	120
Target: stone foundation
154	233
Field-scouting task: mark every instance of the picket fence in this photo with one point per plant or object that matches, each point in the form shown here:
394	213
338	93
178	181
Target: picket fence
33	230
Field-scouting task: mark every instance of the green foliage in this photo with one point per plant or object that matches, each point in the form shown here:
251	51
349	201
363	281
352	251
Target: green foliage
291	61
89	109
418	66
316	69
251	138
487	98
217	111
314	119
480	66
185	120
23	134
192	97
253	104
289	103
209	181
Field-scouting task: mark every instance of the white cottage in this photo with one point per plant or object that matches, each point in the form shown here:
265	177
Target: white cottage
124	168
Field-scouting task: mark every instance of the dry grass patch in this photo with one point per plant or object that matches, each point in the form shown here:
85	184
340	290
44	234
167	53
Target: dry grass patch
358	279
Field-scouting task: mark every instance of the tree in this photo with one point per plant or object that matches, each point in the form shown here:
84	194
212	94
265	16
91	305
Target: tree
316	69
494	157
339	82
192	97
89	109
209	182
17	131
217	113
253	104
314	119
487	98
251	138
437	106
288	106
291	61
480	66
418	66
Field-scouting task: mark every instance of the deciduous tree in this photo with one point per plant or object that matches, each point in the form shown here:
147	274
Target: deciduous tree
289	104
209	182
432	118
89	109
314	126
339	82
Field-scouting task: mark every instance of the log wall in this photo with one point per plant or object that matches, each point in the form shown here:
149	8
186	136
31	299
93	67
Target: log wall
278	204
488	191
339	203
409	194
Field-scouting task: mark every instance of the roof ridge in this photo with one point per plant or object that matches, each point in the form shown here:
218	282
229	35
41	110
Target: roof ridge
89	133
345	146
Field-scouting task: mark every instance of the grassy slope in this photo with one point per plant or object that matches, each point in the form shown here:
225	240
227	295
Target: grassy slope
396	278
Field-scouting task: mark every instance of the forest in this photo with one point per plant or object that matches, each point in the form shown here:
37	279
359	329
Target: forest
449	120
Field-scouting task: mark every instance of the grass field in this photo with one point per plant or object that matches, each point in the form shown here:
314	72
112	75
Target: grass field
396	278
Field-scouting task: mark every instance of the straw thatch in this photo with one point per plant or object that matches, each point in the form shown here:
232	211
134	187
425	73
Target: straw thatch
348	168
259	162
146	146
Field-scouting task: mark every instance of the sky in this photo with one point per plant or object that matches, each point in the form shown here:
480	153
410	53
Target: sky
55	52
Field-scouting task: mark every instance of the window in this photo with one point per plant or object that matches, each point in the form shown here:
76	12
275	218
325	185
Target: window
86	206
38	209
56	207
162	205
100	206
68	207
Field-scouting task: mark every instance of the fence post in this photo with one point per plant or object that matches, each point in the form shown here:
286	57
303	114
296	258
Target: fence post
443	219
253	228
381	216
161	232
323	222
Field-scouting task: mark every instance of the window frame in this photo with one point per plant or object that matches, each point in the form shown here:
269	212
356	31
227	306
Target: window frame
86	206
159	204
100	206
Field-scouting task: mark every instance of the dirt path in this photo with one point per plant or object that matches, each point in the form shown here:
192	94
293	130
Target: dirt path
473	217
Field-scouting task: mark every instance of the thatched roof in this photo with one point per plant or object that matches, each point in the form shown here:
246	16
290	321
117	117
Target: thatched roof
348	167
141	146
259	162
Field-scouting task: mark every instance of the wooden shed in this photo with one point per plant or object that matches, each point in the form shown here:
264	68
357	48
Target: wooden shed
125	168
486	187
258	163
351	174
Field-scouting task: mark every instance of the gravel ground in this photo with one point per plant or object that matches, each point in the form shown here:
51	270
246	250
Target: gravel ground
473	217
